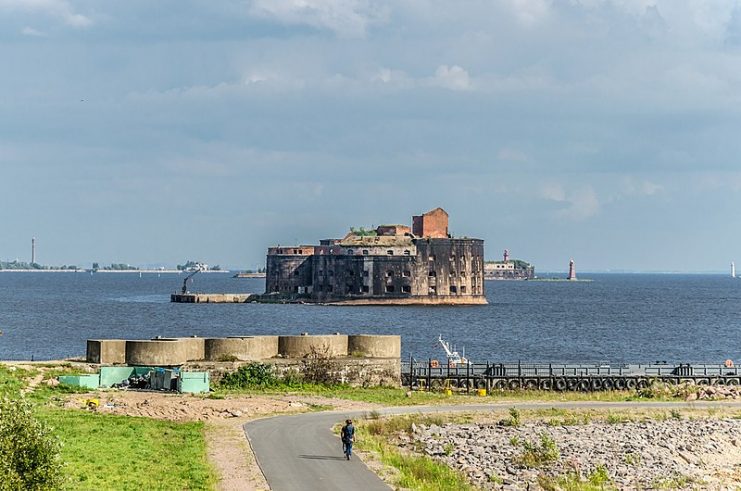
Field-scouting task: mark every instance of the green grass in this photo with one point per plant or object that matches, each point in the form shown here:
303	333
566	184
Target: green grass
126	453
390	396
387	396
107	452
416	472
12	381
598	480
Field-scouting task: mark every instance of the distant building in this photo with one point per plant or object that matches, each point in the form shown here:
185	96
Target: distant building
508	269
393	264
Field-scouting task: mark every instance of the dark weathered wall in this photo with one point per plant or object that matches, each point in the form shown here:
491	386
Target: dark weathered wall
288	274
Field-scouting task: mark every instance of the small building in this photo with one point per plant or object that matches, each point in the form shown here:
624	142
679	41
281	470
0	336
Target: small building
508	269
391	264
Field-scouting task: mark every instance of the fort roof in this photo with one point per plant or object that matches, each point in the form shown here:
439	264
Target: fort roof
378	240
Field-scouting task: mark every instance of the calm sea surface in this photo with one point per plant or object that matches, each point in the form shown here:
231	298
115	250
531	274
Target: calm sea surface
616	318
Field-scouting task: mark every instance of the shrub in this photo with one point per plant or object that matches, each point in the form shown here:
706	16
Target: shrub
514	418
252	375
538	454
29	452
319	368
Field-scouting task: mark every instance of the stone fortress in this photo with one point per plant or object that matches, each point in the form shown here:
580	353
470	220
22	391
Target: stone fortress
393	264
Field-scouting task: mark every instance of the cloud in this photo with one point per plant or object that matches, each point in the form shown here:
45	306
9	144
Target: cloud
530	12
512	155
55	8
29	31
453	78
347	18
642	187
575	205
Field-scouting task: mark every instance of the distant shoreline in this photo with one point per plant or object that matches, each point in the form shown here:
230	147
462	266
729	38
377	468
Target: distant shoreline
147	271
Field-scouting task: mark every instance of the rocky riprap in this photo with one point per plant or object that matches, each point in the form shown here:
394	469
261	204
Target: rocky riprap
636	455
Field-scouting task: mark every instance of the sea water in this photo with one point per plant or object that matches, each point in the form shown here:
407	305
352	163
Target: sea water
614	318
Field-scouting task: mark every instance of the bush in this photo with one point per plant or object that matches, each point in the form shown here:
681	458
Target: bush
538	454
252	375
29	452
319	368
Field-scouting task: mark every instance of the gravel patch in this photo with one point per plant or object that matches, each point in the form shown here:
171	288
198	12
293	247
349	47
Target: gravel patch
703	453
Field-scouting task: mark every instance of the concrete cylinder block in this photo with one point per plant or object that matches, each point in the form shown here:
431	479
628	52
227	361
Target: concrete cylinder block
332	345
373	346
195	347
158	352
106	351
244	348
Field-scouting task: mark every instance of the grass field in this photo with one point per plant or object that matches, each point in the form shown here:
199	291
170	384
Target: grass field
108	452
389	396
124	453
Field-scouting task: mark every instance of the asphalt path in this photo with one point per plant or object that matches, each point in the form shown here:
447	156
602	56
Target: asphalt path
301	453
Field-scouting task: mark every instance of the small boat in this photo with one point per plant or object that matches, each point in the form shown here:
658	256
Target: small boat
454	358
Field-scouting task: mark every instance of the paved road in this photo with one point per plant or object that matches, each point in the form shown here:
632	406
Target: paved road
300	452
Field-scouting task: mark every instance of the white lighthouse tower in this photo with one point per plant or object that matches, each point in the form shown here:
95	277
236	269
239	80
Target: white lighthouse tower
733	269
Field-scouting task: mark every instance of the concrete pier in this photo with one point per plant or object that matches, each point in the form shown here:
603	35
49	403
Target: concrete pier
211	297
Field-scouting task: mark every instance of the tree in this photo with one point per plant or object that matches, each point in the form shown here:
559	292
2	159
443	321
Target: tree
29	452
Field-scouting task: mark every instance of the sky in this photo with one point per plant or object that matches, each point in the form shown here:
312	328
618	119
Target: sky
143	132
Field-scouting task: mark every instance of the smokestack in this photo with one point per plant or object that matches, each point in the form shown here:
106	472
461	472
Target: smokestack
33	250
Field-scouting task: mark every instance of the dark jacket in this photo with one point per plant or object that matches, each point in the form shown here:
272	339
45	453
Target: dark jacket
347	433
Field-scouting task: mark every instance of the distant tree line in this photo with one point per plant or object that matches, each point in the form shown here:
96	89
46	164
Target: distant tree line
114	267
10	265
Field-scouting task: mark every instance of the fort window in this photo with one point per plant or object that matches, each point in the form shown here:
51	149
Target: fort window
295	272
331	272
406	252
350	272
390	252
406	273
350	252
365	289
432	273
389	274
330	288
453	289
365	273
295	289
406	289
463	288
389	288
432	257
365	252
432	290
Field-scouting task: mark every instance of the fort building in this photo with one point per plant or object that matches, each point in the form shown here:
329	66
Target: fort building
392	264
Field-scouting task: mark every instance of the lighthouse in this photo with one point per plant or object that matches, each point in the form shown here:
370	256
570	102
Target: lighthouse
733	269
572	270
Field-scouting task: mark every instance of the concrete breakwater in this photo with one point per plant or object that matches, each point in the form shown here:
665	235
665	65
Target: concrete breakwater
178	351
